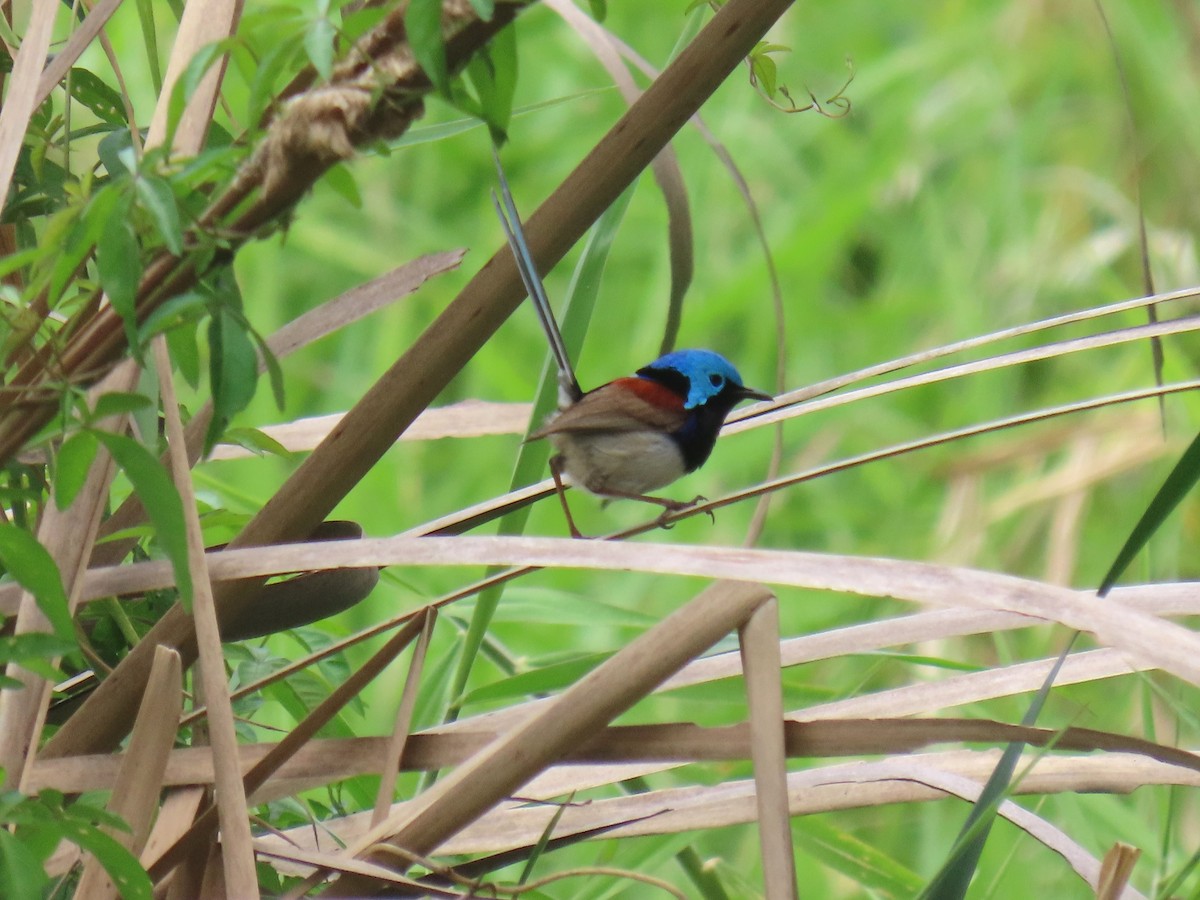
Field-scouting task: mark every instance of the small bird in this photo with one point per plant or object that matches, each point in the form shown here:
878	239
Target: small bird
633	435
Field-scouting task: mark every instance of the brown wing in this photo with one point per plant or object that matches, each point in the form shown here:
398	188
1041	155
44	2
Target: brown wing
617	407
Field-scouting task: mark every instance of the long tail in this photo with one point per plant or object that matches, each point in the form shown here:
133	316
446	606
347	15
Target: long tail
568	386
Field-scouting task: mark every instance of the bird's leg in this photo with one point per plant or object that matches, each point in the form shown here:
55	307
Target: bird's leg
669	506
556	469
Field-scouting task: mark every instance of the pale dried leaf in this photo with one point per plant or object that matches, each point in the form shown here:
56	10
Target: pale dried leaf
830	788
974	687
465	419
1148	639
361	301
22	89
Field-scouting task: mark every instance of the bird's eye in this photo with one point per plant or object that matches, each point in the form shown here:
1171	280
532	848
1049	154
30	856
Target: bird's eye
716	380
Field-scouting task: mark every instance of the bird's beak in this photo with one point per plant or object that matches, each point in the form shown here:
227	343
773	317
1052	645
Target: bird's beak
745	393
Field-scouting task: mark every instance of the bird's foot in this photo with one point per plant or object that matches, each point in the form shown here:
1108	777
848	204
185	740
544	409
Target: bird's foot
670	507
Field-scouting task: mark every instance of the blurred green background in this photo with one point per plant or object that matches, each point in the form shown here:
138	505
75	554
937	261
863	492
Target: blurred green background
987	175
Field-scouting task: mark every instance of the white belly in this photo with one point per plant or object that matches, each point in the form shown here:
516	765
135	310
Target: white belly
627	462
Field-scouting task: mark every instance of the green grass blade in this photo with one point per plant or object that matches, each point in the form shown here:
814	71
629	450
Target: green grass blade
531	459
1181	480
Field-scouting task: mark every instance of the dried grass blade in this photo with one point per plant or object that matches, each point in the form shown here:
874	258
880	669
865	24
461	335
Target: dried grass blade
177	812
1148	638
885	368
58	67
616	747
843	786
135	793
1115	871
974	687
759	638
465	419
241	877
361	301
785	407
21	99
201	24
390	764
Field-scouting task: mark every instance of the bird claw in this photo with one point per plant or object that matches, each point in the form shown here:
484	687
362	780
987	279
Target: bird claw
675	506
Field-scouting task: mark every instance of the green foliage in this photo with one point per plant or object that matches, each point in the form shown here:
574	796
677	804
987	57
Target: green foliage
318	40
423	23
33	568
862	863
33	650
40	823
157	492
119	261
1178	485
72	463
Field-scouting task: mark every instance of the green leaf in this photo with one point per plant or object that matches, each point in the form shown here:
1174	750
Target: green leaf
485	9
493	75
112	151
187	83
158	494
116	403
341	180
149	33
35	651
123	868
256	441
545	680
423	23
951	881
765	72
600	8
187	307
18	260
71	467
33	645
91	90
1181	480
77	238
233	371
278	59
181	340
21	872
31	565
866	866
119	263
274	371
318	41
158	200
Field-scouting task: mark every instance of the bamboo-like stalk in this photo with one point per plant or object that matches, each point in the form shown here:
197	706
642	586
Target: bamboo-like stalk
241	877
759	643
